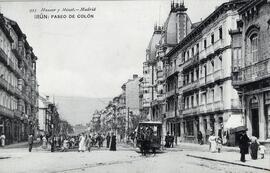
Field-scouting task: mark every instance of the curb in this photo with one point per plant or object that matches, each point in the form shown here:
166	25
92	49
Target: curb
223	161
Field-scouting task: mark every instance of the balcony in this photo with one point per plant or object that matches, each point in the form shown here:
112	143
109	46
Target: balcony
3	83
11	89
171	93
218	75
218	44
209	78
190	111
18	113
170	70
15	50
146	104
18	91
11	64
191	62
209	107
202	55
3	56
252	73
218	105
209	50
190	86
160	76
202	81
160	97
170	114
202	108
6	112
235	104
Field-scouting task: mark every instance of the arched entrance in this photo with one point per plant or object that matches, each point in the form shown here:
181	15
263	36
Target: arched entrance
254	116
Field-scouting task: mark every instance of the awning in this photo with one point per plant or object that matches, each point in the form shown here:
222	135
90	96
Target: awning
235	120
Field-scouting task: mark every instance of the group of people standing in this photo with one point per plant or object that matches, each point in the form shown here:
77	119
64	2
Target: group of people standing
86	142
252	144
215	143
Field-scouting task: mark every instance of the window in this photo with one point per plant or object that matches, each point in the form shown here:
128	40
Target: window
212	65
205	43
190	129
192	51
220	33
220	61
221	93
254	47
197	99
192	101
213	95
187	55
212	38
197	48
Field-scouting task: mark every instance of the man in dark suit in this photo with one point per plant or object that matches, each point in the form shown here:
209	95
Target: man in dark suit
243	145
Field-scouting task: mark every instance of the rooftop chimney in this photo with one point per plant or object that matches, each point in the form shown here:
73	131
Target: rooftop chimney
135	76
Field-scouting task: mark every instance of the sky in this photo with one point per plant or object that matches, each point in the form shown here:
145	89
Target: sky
93	57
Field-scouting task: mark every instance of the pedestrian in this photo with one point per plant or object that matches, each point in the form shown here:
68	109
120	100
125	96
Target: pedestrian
243	145
99	140
262	151
212	143
30	142
254	146
199	137
44	142
108	139
113	143
167	140
219	144
88	143
82	143
3	139
65	145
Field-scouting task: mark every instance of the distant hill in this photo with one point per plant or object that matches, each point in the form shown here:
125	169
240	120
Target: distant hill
78	110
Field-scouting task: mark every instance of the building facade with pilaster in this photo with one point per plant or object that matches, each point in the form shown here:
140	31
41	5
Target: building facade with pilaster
18	83
251	66
207	101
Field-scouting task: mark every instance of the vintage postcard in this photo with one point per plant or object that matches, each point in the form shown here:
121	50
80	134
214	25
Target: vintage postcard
139	86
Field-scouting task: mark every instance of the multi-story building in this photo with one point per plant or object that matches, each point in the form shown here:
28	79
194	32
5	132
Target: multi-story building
199	71
44	119
132	94
48	117
149	87
251	66
176	27
18	84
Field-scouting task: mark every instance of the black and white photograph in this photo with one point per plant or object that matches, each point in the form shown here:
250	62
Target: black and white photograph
134	86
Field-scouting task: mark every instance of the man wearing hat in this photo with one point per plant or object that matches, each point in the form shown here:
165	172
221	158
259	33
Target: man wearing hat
243	144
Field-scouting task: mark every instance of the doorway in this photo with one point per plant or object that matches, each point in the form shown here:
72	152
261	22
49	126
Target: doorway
255	122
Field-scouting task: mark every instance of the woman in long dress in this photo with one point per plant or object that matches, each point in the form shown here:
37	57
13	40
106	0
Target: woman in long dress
82	143
254	146
213	143
113	143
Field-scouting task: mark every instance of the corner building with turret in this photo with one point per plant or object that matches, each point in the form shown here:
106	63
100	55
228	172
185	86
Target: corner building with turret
195	61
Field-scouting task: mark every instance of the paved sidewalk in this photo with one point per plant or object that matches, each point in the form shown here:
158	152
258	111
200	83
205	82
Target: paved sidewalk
228	155
19	145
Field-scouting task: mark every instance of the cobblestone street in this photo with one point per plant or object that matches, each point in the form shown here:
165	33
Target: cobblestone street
125	159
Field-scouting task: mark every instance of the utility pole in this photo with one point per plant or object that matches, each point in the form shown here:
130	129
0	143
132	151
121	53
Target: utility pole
128	126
